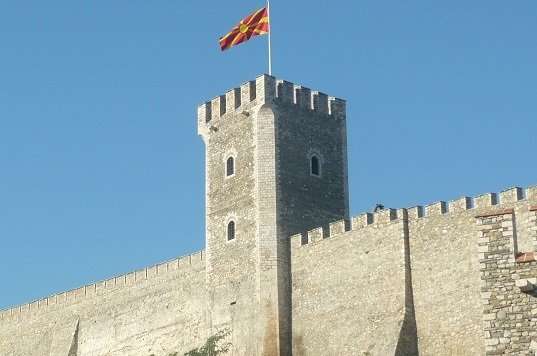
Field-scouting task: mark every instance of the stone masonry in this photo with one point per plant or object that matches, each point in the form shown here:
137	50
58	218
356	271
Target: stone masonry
289	272
508	286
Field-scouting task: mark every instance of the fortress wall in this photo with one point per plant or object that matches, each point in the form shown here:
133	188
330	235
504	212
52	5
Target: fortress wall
446	283
336	274
156	310
348	289
445	270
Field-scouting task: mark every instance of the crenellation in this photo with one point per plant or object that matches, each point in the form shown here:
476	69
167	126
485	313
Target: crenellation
415	212
184	262
303	97
32	305
297	240
435	209
485	200
337	107
461	204
285	91
233	99
61	298
315	235
265	89
100	287
108	284
248	92
361	220
96	287
511	195
68	297
12	313
388	215
197	259
152	271
162	267
531	193
204	114
338	227
384	216
319	102
139	275
130	278
172	265
218	107
78	293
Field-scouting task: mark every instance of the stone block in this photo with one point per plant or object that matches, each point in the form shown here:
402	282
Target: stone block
461	204
485	200
315	235
436	209
511	195
338	227
361	220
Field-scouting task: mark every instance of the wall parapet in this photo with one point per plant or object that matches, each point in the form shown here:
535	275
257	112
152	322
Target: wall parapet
480	203
265	89
124	280
378	219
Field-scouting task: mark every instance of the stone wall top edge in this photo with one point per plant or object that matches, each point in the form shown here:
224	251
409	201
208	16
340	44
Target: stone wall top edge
496	213
441	208
264	89
378	220
123	280
491	200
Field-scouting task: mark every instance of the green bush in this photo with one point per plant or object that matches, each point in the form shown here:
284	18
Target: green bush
213	345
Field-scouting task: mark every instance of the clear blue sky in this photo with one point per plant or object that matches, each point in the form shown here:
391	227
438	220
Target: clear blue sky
101	170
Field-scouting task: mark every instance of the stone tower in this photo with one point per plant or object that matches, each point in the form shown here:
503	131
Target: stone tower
276	165
283	269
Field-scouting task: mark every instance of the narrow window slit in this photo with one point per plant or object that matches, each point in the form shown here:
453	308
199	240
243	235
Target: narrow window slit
231	231
230	167
315	166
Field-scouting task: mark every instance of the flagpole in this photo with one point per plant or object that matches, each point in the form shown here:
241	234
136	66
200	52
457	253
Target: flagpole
269	42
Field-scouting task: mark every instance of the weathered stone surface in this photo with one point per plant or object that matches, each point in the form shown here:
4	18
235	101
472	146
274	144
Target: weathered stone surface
447	279
148	316
509	287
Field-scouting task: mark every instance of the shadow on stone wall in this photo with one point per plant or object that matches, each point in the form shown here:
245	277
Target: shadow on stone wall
73	350
407	344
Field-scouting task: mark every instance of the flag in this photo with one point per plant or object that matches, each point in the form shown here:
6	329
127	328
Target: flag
255	24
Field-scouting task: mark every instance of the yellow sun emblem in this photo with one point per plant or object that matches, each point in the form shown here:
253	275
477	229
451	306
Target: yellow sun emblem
243	28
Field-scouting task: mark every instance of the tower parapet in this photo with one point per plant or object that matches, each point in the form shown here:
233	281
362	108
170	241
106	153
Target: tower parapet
266	89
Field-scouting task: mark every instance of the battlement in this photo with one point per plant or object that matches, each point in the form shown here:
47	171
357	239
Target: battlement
75	295
266	89
440	208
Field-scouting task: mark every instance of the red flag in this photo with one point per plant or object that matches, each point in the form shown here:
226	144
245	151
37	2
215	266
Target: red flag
255	24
